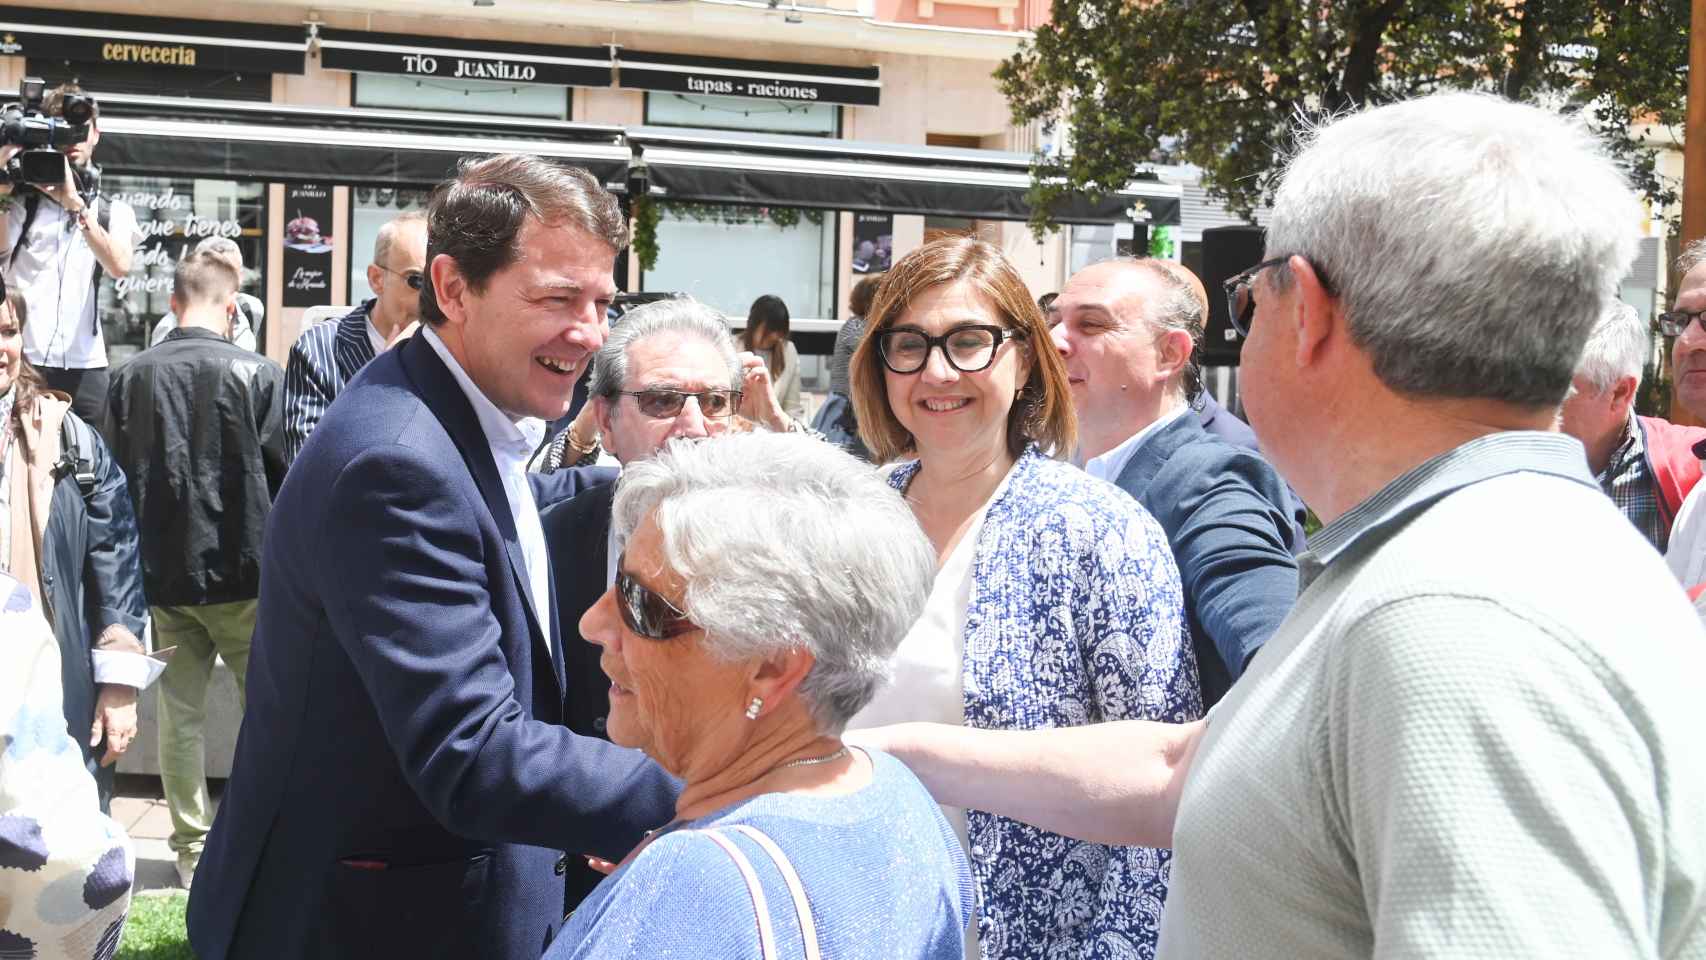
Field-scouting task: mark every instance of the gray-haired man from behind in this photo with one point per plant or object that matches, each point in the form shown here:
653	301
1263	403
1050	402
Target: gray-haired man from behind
246	327
1477	733
1645	465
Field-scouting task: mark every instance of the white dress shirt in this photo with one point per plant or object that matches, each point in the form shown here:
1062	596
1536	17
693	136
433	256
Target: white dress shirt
55	267
1108	465
373	337
513	442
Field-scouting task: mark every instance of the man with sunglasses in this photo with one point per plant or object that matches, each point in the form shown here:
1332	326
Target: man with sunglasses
668	370
325	357
404	784
1129	332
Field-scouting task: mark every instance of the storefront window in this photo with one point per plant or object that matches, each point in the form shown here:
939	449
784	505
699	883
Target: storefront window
493	97
727	256
370	209
173	215
740	113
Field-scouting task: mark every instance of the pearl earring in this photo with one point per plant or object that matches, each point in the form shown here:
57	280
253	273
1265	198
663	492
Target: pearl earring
752	708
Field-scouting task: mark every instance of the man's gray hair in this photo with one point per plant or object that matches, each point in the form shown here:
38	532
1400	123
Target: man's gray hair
680	316
223	246
1693	255
1620	345
1473	242
387	237
787	542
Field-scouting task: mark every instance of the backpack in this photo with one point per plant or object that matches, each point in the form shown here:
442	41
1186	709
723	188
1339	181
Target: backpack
76	453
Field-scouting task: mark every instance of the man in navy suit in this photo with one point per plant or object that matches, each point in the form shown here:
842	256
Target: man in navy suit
1129	331
326	357
403	785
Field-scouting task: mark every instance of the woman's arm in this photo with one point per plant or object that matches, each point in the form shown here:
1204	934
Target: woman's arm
1113	783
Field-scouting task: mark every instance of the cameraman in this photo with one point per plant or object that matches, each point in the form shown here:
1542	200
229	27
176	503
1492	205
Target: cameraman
58	240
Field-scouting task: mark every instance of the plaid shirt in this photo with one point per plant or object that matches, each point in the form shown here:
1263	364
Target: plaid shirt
1628	481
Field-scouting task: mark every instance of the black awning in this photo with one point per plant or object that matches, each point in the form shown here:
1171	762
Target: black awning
151	41
458	60
754	79
256	151
870	182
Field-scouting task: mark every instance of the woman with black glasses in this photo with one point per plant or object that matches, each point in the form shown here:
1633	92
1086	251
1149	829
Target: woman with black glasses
743	629
1056	602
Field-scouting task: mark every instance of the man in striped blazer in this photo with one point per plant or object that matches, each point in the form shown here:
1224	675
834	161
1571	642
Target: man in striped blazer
326	357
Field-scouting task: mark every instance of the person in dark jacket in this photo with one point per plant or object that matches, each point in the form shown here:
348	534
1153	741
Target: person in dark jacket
1129	331
198	425
68	534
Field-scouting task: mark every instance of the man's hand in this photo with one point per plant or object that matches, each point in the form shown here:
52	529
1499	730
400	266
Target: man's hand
758	394
115	715
7	152
65	194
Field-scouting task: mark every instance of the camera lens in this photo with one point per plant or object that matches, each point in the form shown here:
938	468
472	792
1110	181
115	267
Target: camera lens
78	109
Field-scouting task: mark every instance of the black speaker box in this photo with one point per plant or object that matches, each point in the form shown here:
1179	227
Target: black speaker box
1226	252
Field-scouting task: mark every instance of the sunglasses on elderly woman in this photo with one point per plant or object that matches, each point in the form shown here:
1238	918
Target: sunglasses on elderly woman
645	612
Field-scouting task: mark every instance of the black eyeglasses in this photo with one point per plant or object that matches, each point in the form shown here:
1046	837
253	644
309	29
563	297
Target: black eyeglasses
968	348
414	278
1240	293
1675	323
644	612
661	403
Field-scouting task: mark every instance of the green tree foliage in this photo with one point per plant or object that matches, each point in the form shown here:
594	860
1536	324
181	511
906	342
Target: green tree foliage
1221	84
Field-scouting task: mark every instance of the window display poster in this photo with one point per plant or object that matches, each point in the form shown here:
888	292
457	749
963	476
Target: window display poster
307	245
173	216
873	242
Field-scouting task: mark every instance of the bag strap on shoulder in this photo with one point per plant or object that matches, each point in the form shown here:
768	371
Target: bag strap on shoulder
76	453
760	903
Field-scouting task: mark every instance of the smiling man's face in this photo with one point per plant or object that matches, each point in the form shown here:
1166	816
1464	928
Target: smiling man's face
1100	326
528	336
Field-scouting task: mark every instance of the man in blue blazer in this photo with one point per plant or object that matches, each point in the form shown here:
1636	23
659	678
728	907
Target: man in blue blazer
403	785
326	357
1129	331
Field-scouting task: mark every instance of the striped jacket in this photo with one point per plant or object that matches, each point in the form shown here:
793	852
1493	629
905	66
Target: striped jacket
322	361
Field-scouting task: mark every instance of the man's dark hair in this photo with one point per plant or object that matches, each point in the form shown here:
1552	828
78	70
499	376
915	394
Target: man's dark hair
859	301
476	216
53	103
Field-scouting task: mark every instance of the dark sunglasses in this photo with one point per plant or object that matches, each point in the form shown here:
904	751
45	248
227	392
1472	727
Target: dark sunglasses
414	278
644	612
661	403
1240	292
1675	323
968	348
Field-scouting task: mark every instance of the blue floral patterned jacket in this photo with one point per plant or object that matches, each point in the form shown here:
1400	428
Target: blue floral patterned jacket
1075	618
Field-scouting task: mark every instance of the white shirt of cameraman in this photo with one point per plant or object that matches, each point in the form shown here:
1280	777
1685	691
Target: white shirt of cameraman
55	267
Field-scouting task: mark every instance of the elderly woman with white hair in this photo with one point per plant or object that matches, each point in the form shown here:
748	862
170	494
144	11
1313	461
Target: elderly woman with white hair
742	632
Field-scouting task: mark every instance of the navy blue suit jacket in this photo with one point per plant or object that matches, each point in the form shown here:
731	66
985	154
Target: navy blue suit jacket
403	786
578	533
1224	511
1220	422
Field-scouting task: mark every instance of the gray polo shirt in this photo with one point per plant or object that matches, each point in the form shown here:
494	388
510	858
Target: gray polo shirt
1477	735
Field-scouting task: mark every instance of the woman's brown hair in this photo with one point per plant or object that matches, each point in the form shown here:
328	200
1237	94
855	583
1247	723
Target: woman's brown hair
1042	414
28	384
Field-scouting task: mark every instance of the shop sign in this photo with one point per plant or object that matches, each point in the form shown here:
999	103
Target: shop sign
151	41
427	57
307	245
170	229
754	79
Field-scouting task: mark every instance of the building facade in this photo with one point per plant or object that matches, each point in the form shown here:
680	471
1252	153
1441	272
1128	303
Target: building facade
764	147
